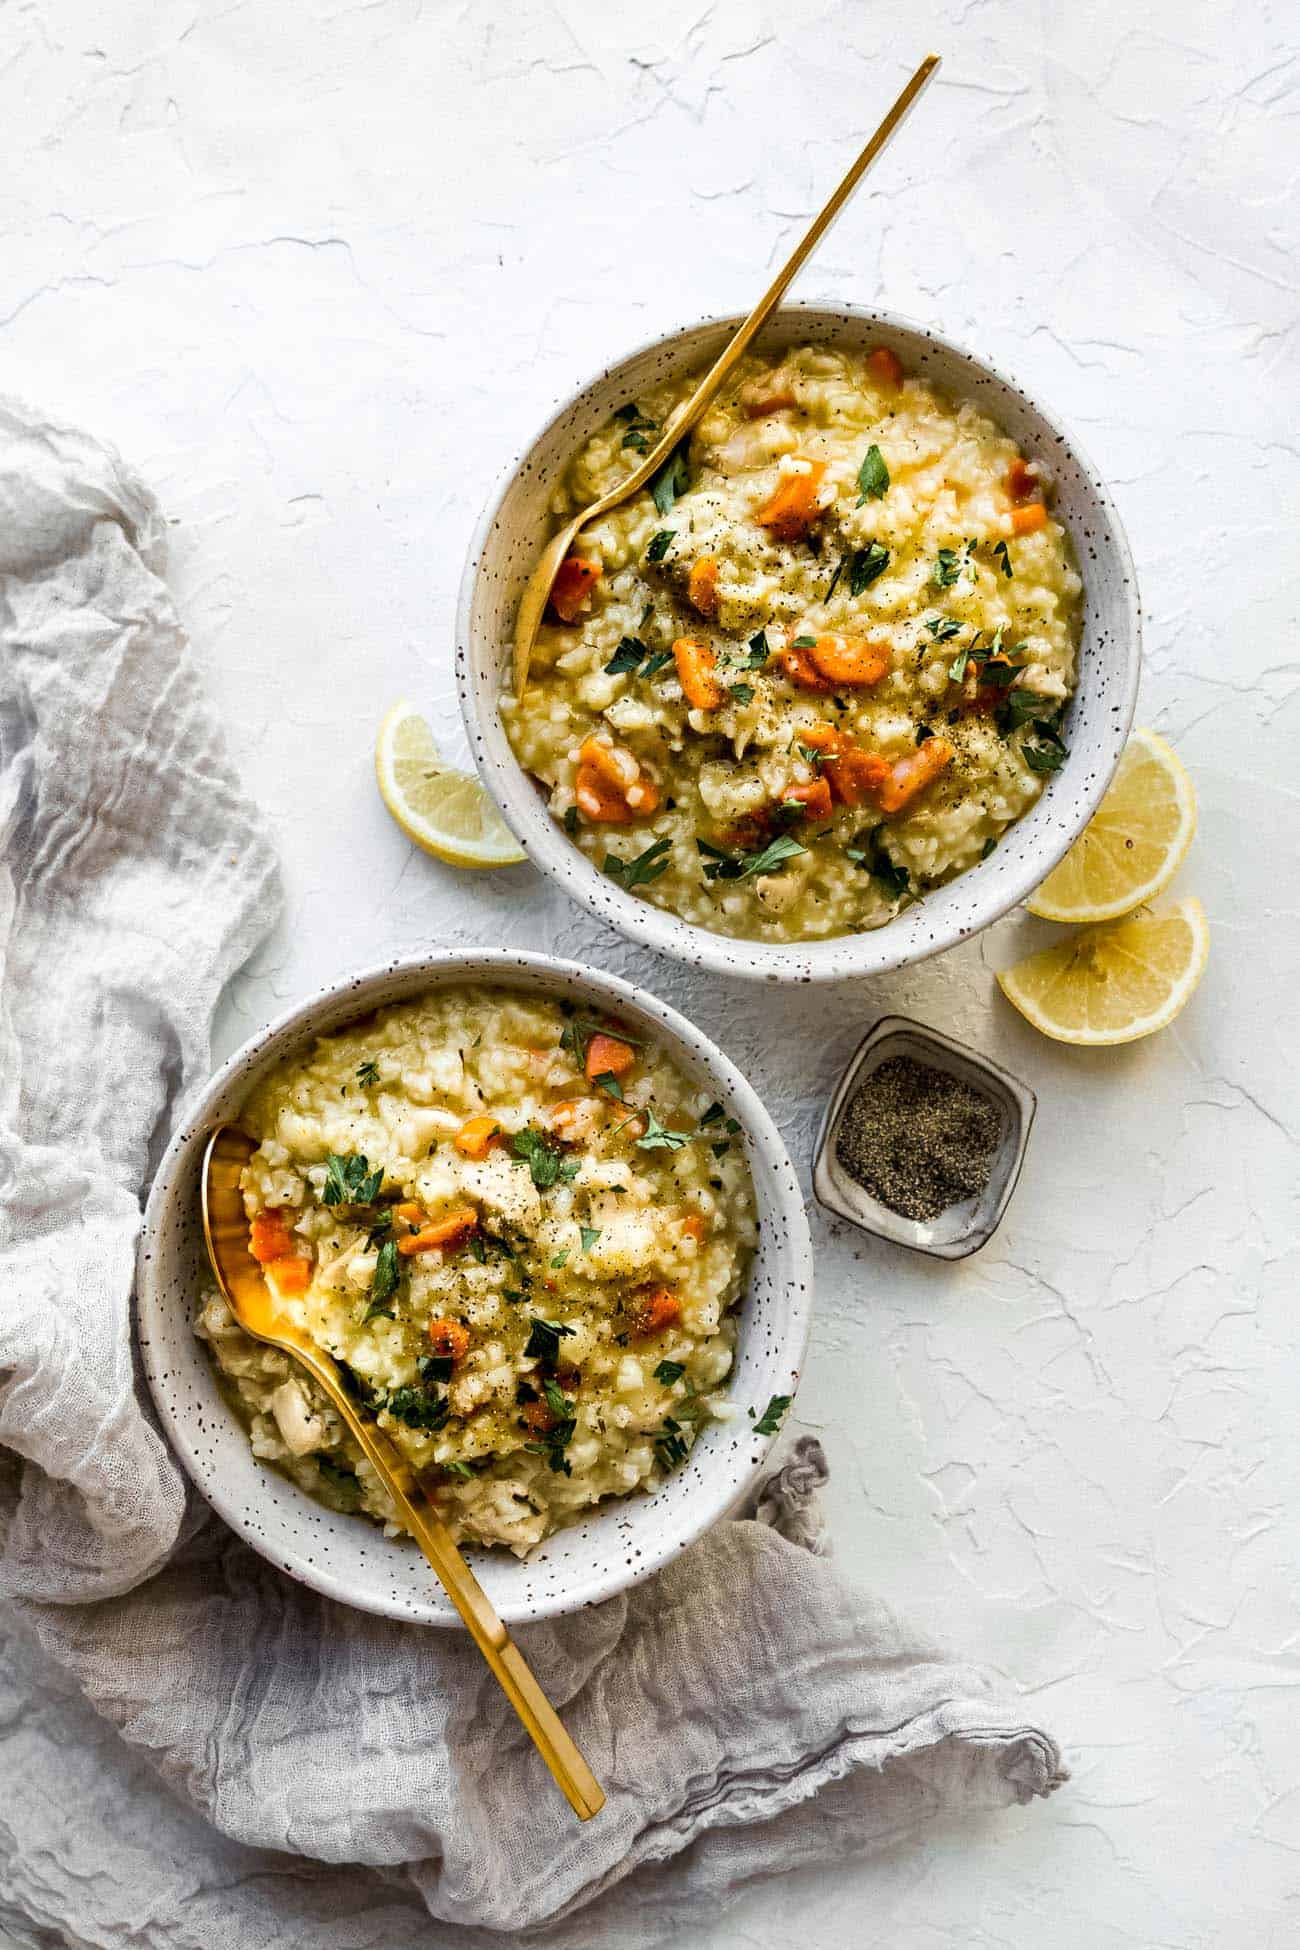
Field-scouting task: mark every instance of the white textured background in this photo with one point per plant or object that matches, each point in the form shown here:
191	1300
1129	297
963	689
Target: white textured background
317	268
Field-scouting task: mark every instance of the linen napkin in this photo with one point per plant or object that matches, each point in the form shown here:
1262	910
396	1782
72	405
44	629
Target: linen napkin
213	1755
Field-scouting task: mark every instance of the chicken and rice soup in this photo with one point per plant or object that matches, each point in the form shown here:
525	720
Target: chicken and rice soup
521	1233
819	666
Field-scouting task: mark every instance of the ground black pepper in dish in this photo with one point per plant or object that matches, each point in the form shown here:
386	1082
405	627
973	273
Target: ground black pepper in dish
918	1139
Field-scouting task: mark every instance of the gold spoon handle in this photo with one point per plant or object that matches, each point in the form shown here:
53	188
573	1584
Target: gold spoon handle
508	1665
681	422
532	603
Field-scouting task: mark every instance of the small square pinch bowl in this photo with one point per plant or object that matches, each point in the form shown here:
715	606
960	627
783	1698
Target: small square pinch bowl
966	1226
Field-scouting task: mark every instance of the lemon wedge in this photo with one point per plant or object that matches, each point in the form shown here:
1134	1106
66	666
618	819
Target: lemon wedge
1134	844
445	812
1113	984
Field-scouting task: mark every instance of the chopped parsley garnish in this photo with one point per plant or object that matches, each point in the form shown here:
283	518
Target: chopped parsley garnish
957	668
950	564
713	1115
571	820
670	1371
435	1367
350	1181
923	732
418	1409
609	1083
629	656
1047	751
719	865
640	872
1021	707
987	847
673	478
944	628
743	693
865	564
368	1072
660	544
721	1149
555	1440
834	582
457	1468
384	1282
804	643
589	1235
637	427
659	1138
869	850
773	1415
544	1340
873	476
1002	556
759	651
654	664
668	1444
546	1163
561	1259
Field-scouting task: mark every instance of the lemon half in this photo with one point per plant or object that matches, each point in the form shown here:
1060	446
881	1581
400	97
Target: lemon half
444	811
1115	983
1134	844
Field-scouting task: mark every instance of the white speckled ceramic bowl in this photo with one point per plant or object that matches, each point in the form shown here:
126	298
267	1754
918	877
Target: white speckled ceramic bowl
348	1557
505	549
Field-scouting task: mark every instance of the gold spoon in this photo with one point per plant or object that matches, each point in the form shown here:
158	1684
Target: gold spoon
532	604
244	1287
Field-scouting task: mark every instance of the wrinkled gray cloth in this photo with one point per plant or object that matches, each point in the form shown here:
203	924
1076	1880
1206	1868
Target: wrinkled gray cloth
207	1750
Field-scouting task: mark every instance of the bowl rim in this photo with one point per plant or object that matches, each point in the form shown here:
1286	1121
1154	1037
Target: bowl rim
172	1181
839	957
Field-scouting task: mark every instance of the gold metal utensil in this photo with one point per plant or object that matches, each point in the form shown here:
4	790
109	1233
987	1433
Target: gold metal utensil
225	1227
532	604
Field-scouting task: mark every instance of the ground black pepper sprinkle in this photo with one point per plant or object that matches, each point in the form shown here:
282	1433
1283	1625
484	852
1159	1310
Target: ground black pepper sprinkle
918	1139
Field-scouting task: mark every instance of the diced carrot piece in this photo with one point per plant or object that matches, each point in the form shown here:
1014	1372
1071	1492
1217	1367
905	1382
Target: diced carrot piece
1021	480
597	802
855	775
476	1134
702	586
852	774
815	798
611	787
452	1229
269	1236
885	366
608	1053
695	1225
1028	517
792	509
290	1273
449	1338
822	737
653	1311
910	775
696	665
574	581
850	659
772	392
538	1417
412	1213
799	667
